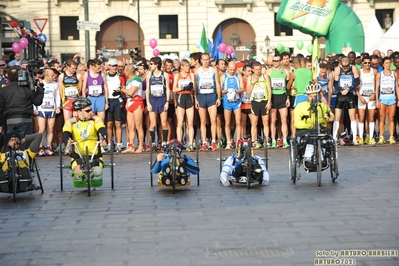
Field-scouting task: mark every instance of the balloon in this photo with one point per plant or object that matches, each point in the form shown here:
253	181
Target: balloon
310	48
233	55
16	47
299	45
286	49
229	50
43	37
198	44
280	48
188	54
155	52
222	47
153	43
23	43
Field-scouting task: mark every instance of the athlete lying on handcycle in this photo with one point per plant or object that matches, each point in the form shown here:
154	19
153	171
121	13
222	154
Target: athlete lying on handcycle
234	171
83	131
185	166
310	120
23	158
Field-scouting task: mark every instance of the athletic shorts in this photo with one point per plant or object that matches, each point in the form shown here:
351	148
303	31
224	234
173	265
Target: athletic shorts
292	101
388	102
67	104
246	111
369	104
206	100
47	114
114	111
185	101
278	101
333	102
347	99
259	108
158	104
97	103
231	106
299	99
220	109
171	110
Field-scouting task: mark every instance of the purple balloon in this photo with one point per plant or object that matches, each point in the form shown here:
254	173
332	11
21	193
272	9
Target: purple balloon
229	50
23	43
222	47
155	52
16	47
153	43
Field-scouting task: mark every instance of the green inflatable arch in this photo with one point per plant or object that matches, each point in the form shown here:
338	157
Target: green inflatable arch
322	18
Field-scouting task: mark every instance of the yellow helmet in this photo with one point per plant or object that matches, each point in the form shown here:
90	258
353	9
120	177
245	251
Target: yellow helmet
312	88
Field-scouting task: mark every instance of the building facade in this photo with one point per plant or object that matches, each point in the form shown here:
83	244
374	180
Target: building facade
175	24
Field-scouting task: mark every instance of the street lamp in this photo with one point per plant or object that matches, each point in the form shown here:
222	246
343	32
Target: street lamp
119	42
387	21
234	40
268	50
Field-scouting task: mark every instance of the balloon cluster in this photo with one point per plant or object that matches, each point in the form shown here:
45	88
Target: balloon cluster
26	36
153	44
226	49
299	44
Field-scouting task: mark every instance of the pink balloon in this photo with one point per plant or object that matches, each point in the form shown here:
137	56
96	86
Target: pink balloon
156	52
153	43
229	50
23	43
16	47
222	47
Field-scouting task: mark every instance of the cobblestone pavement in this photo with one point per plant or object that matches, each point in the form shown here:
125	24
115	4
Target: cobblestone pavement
281	224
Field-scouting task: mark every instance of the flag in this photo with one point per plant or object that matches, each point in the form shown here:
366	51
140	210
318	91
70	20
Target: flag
204	41
218	40
315	58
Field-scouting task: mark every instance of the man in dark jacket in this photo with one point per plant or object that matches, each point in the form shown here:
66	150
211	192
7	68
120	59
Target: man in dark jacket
16	104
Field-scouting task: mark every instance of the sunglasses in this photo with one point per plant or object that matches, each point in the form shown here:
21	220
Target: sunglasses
2	65
346	66
121	66
113	66
276	60
87	111
366	63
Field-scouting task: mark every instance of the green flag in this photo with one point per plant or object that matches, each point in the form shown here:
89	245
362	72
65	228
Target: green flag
204	41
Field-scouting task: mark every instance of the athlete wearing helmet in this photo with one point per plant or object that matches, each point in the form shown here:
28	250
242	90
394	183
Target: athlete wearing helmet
233	170
85	130
185	165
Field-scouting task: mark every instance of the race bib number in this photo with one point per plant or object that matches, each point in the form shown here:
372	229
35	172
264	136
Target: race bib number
324	88
345	81
183	83
278	83
387	87
206	85
156	90
246	98
95	90
309	151
232	95
71	92
366	89
259	93
48	103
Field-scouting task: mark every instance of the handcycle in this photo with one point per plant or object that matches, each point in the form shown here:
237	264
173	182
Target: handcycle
315	149
14	177
89	177
175	172
245	153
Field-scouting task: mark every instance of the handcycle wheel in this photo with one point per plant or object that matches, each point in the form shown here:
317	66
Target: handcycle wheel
38	175
61	168
14	181
318	162
247	164
292	164
333	160
112	166
87	170
174	166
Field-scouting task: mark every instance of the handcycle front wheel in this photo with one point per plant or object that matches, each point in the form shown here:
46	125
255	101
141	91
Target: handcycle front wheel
14	180
292	163
318	162
333	161
87	170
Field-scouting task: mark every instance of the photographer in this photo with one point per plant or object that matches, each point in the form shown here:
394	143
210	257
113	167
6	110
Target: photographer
16	100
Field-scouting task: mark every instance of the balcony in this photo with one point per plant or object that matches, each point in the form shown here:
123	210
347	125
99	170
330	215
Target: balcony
270	3
221	3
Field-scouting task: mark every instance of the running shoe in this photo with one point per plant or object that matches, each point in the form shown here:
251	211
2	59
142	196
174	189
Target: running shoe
392	140
342	141
285	145
371	141
213	146
274	145
232	144
164	146
360	141
41	152
355	142
148	148
204	146
366	140
280	143
118	148
265	183
381	140
257	144
48	151
190	148
228	146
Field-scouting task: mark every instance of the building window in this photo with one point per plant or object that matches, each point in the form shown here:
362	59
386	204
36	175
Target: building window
68	28
281	30
168	27
385	18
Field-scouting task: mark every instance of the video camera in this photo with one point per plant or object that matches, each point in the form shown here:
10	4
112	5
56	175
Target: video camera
27	76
